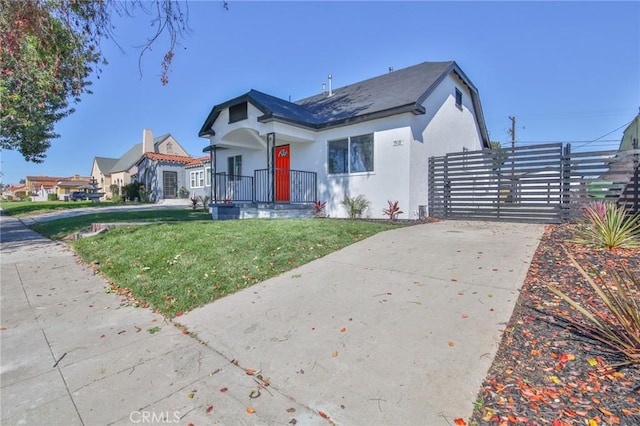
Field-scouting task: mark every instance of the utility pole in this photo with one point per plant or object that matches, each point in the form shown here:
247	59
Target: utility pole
512	132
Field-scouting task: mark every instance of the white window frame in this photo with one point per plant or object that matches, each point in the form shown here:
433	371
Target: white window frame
207	176
196	178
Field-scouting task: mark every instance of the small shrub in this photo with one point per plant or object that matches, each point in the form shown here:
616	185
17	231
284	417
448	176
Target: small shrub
319	206
393	211
205	202
617	326
52	197
355	206
183	192
606	225
115	189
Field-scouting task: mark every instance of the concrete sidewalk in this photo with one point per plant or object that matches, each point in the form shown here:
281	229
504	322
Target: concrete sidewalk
396	329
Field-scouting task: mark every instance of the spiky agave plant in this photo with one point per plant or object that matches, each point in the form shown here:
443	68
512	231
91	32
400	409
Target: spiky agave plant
607	225
618	326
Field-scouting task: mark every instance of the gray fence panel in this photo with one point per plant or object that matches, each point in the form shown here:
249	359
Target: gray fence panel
540	183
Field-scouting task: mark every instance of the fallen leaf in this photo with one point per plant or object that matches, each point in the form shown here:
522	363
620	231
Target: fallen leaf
343	329
323	415
451	344
460	422
334	354
291	410
209	409
224	389
464	316
179	314
250	371
191	395
185	332
554	379
250	410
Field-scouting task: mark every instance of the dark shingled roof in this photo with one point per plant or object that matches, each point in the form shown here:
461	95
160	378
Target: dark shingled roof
393	93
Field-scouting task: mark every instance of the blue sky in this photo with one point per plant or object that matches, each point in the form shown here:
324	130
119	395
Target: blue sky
568	71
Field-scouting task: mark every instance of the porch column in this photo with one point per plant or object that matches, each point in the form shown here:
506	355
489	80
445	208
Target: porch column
271	143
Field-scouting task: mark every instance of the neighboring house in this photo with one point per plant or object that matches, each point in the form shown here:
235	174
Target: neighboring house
40	187
121	171
373	138
17	192
198	176
163	175
65	187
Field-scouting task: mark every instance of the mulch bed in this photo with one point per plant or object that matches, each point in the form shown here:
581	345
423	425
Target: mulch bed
546	374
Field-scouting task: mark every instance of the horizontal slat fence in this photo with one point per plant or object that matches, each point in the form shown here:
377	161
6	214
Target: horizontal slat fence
541	183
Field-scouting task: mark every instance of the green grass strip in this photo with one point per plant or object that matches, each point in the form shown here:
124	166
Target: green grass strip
178	267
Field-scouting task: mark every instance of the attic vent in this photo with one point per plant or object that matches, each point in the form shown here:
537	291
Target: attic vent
238	112
390	69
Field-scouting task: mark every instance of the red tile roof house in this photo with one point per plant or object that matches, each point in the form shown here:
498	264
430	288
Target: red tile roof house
122	171
163	176
372	138
39	187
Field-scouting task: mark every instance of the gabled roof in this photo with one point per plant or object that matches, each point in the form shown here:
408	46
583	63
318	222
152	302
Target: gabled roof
168	158
105	164
389	94
128	159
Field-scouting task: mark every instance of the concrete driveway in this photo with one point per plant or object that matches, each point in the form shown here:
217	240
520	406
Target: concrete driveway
398	329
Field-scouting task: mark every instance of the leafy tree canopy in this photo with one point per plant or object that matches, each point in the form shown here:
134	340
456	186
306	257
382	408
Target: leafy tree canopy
48	51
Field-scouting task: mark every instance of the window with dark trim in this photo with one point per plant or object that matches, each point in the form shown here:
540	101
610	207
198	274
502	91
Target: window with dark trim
238	112
234	167
350	155
458	98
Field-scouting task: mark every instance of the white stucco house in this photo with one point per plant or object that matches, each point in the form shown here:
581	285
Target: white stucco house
372	137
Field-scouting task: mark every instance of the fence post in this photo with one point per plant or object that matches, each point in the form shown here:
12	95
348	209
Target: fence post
430	183
565	185
636	176
447	187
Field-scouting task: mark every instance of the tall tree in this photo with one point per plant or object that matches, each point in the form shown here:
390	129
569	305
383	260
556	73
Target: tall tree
49	49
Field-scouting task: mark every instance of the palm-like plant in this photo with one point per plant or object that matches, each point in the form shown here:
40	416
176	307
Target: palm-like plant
618	326
355	206
607	225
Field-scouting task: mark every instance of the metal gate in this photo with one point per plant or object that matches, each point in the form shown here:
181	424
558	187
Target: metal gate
541	183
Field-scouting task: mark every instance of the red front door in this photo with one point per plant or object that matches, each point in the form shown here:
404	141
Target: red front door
283	165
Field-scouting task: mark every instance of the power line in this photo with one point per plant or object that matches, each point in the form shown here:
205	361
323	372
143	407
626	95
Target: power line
606	134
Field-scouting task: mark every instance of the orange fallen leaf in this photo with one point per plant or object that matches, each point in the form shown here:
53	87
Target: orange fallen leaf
343	329
451	344
460	422
334	354
179	314
605	411
250	371
323	415
250	410
464	316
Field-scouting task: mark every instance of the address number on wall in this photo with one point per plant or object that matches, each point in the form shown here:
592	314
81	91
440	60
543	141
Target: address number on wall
397	143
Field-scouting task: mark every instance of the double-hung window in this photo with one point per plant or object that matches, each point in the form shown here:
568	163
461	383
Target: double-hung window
234	167
197	179
350	155
207	176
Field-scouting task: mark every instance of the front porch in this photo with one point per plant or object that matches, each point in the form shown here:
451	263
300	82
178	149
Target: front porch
267	194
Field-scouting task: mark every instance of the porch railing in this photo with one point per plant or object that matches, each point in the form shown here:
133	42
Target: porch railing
289	186
232	188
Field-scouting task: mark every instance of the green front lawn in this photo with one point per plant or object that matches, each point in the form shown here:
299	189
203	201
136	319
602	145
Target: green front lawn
24	208
60	228
178	267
